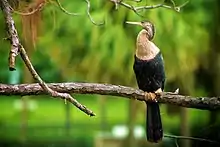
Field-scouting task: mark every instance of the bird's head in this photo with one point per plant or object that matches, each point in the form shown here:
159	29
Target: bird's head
146	25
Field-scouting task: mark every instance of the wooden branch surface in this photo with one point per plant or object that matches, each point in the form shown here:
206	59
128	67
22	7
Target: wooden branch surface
12	32
205	103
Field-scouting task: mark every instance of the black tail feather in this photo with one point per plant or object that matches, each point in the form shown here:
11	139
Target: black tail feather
154	128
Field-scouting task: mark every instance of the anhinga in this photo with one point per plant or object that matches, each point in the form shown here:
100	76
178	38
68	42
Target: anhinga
150	75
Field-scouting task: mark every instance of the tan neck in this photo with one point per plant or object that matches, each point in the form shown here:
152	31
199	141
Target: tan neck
145	49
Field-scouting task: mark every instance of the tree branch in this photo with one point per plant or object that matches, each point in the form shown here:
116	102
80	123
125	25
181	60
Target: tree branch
140	8
64	10
17	47
205	103
47	89
89	15
39	7
12	32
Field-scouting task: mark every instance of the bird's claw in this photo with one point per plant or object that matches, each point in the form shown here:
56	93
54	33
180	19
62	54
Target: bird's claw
153	96
150	96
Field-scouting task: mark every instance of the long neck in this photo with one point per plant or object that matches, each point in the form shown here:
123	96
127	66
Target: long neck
145	49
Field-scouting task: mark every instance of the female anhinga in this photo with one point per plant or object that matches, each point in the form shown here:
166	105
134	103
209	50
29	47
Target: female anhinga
150	76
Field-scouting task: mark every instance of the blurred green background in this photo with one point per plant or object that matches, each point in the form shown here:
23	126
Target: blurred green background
67	48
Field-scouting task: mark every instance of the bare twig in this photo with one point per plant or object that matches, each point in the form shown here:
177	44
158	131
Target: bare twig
136	1
12	32
189	138
117	2
39	8
64	10
176	142
176	8
137	9
205	103
89	15
48	90
17	47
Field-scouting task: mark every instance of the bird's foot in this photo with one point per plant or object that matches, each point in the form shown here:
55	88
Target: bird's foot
153	96
150	96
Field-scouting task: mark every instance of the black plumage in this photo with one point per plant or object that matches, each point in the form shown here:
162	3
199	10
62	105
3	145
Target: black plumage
150	75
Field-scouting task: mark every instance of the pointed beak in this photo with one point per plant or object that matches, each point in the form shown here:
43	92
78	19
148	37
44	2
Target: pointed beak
134	23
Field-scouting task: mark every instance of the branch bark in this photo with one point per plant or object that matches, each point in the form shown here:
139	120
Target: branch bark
17	47
48	90
205	103
140	8
12	32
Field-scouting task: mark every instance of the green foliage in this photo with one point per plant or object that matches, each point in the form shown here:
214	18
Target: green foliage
71	48
78	50
47	121
85	52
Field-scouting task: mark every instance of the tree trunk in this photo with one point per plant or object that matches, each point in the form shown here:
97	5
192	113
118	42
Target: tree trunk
67	123
214	63
24	116
185	128
131	142
102	104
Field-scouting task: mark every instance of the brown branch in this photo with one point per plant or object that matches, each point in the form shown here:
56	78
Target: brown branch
17	47
205	103
140	8
38	8
47	89
12	32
